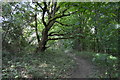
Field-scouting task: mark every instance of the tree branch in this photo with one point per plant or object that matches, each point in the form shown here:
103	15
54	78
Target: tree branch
39	5
56	34
54	8
64	24
57	8
43	16
64	36
63	15
44	10
45	5
61	38
36	30
64	11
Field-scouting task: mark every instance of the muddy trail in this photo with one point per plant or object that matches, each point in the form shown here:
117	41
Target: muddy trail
83	69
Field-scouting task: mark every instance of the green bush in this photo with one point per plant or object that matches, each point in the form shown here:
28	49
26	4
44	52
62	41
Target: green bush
108	63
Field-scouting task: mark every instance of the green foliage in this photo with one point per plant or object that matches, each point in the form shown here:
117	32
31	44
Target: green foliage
109	64
50	64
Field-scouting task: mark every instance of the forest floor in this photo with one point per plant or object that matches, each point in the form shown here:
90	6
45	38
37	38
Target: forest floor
55	64
84	68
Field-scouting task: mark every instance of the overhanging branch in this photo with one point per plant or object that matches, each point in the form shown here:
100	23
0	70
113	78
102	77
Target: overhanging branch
61	38
56	34
64	24
63	15
73	36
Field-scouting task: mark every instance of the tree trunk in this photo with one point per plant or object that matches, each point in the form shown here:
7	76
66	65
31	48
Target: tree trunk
43	42
36	30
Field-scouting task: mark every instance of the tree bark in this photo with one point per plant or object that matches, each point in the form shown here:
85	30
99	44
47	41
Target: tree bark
44	38
43	42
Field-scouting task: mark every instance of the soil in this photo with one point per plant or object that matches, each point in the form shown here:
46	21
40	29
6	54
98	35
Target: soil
83	68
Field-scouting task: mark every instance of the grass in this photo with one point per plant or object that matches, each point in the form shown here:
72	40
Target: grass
85	54
50	64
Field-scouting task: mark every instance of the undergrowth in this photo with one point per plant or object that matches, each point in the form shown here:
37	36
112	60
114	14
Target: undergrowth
106	63
50	64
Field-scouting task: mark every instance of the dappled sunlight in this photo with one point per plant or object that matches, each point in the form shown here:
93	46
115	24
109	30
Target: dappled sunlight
112	57
43	65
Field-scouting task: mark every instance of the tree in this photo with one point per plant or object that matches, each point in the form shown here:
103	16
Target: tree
51	12
15	20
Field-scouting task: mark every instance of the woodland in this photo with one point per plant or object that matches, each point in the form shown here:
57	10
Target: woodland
60	40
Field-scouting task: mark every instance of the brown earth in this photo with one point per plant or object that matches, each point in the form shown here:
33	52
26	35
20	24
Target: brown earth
83	68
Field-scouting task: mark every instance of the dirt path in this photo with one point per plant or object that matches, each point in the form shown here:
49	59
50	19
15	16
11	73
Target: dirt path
84	68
